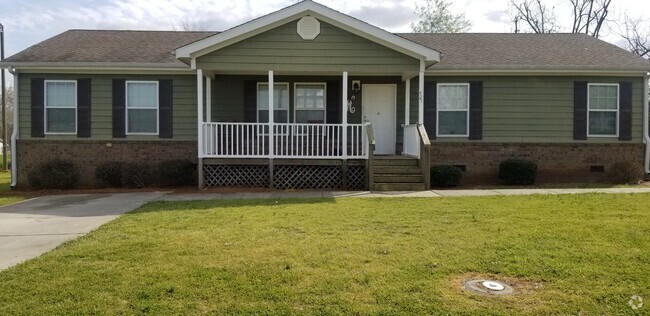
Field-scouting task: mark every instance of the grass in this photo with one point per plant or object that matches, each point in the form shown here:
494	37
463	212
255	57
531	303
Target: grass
566	254
5	181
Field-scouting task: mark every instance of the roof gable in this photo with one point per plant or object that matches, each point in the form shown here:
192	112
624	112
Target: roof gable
318	11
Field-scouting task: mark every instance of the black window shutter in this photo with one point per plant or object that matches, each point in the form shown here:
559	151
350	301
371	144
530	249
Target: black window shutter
476	110
250	101
333	107
165	108
625	111
119	108
430	104
38	107
580	110
83	108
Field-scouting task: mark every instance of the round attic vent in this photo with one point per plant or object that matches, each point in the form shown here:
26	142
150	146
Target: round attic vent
308	28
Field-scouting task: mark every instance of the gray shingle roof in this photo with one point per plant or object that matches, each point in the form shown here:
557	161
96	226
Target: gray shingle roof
103	46
459	51
522	51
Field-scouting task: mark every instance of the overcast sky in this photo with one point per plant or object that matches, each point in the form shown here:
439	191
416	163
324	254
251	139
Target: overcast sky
28	22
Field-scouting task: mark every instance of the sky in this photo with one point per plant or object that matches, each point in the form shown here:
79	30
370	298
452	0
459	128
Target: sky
27	22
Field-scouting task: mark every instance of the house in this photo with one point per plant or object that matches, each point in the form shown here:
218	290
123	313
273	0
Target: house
353	106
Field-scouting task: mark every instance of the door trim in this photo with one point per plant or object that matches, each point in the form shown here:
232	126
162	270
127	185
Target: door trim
394	110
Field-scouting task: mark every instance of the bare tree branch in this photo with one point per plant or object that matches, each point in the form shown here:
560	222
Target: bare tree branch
538	17
189	25
636	33
589	16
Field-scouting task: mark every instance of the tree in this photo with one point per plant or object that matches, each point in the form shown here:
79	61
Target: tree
435	17
589	16
189	25
9	92
534	14
636	33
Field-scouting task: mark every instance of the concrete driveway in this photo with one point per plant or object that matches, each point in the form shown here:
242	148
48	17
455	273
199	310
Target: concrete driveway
32	227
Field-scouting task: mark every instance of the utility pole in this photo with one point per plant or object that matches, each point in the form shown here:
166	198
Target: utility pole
4	100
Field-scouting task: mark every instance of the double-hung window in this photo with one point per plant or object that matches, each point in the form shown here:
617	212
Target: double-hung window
142	107
60	107
453	109
602	110
310	103
280	102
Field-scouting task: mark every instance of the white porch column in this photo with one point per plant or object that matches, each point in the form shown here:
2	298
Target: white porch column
271	120
407	102
199	105
208	99
421	94
344	115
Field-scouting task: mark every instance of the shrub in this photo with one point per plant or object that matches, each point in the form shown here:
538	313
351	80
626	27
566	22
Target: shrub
138	175
517	171
55	174
109	174
445	176
626	172
175	172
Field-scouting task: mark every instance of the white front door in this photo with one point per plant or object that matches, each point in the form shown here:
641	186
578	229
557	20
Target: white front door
379	109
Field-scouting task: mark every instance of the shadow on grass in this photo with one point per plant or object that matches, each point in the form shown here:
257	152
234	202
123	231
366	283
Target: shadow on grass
180	206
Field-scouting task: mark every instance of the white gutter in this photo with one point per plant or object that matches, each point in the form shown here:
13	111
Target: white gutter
14	134
646	119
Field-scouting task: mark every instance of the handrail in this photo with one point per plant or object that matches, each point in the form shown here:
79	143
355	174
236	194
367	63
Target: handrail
425	156
371	155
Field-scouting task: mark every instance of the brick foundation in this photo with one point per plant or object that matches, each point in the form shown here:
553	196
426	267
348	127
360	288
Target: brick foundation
556	163
88	154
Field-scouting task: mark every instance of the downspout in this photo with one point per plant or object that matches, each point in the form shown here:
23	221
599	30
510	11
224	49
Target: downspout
14	134
646	119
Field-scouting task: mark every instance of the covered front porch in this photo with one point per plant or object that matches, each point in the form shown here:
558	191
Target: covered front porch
309	91
240	146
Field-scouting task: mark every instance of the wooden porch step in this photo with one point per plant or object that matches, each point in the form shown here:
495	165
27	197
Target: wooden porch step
398	187
397	170
398	178
395	162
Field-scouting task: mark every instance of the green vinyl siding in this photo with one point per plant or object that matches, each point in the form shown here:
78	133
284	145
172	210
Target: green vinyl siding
537	109
282	49
184	103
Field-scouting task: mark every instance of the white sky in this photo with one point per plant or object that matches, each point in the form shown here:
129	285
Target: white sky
28	22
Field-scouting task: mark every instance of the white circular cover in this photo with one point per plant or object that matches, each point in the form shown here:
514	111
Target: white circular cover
495	286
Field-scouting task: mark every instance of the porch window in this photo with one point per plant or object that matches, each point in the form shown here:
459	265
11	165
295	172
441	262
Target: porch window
280	102
60	107
453	109
142	107
603	110
310	103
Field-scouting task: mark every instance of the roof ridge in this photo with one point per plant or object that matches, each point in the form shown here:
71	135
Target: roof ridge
160	31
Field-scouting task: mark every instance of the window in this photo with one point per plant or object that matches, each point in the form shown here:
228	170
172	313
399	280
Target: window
602	114
60	107
453	109
142	107
280	102
310	103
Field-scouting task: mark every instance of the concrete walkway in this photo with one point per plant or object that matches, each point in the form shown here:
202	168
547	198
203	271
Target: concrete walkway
32	227
369	194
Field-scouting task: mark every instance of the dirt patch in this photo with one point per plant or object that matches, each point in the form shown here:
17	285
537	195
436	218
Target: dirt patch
520	286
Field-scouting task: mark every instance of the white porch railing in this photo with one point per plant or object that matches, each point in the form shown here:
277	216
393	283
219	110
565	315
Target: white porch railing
290	140
411	141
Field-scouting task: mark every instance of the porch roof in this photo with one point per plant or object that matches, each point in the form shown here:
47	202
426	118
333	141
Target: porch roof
265	23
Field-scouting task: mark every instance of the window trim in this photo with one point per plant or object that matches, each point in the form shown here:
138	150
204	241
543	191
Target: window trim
127	108
295	97
76	101
438	110
618	109
257	100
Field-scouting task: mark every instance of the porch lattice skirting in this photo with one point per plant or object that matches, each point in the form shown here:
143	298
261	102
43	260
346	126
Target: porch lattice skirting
286	176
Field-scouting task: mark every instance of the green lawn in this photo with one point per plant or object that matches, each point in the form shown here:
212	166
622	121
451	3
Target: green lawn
569	254
5	181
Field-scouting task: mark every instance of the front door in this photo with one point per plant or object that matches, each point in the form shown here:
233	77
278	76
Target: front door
379	109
